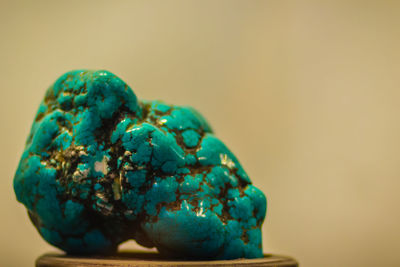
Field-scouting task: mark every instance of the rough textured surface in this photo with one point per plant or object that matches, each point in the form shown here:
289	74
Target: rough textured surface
101	167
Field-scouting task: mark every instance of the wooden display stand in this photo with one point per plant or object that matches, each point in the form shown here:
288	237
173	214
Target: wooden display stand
136	258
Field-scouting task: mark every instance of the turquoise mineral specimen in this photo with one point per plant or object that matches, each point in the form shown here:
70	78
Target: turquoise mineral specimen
101	167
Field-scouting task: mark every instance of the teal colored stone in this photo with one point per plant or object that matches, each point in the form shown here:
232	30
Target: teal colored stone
100	167
190	138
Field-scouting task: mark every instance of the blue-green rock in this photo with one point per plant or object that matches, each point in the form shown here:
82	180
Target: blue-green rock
101	167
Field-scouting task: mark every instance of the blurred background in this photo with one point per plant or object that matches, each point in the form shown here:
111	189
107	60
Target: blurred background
306	93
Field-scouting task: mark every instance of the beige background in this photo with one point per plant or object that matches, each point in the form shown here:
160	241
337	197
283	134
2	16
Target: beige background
306	93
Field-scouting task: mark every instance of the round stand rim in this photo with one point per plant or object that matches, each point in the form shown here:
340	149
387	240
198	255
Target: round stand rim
140	258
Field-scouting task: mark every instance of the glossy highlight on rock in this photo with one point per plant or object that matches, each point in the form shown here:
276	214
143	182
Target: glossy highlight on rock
101	167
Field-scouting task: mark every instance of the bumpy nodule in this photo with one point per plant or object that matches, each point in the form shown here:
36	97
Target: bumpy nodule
101	167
